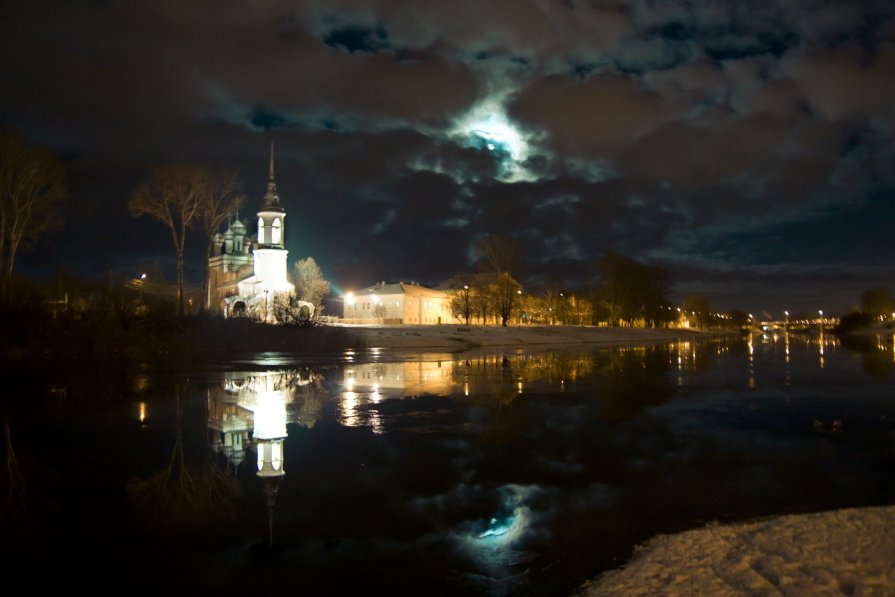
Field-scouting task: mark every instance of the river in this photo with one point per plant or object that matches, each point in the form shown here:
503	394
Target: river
488	472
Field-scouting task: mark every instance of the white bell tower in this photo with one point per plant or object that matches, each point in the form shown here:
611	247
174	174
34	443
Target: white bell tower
270	254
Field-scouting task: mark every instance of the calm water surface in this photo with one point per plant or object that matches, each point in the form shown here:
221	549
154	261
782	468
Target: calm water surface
492	473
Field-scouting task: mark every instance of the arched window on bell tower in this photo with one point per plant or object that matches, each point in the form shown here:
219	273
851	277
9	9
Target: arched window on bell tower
276	233
260	231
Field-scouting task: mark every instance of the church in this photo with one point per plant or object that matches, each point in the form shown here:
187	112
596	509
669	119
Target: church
248	275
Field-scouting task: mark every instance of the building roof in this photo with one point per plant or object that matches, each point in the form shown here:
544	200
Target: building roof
411	289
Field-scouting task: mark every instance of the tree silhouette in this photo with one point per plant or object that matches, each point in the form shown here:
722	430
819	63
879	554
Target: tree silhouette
32	187
629	290
174	194
877	301
502	256
222	199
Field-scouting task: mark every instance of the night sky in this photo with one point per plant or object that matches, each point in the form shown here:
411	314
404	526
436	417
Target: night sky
747	147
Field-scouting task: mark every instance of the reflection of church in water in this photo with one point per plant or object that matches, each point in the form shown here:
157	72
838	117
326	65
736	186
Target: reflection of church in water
250	413
249	273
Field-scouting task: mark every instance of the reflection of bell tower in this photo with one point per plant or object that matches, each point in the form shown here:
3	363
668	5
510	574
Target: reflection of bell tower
269	435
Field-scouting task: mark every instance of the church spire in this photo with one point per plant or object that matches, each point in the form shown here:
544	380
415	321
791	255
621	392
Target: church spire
271	198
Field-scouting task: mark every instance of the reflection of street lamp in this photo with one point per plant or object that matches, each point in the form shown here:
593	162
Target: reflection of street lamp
466	302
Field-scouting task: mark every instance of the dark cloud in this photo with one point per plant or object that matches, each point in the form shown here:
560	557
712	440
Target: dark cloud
597	117
742	144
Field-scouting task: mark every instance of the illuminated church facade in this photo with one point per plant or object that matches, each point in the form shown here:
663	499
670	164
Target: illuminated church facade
249	274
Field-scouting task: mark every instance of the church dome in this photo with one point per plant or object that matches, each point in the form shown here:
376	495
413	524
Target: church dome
218	237
229	234
238	227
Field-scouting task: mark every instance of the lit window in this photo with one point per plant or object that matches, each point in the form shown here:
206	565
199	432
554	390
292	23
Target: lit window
275	234
276	456
260	231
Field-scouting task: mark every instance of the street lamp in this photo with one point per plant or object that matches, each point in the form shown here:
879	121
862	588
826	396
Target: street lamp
466	302
786	322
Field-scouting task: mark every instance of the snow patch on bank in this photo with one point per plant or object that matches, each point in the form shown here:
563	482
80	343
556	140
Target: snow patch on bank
843	552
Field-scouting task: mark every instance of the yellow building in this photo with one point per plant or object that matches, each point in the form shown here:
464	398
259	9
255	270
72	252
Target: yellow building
399	304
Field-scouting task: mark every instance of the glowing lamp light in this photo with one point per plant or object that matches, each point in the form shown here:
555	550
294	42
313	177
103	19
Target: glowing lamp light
349	299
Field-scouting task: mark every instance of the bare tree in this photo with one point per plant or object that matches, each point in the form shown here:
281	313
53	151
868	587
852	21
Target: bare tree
32	187
698	308
310	284
174	195
554	300
631	291
502	256
222	199
877	301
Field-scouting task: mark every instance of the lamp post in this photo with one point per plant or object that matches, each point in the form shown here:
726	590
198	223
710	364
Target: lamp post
786	321
466	302
265	305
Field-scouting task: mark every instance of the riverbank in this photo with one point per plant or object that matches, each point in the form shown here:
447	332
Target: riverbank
455	338
841	552
34	338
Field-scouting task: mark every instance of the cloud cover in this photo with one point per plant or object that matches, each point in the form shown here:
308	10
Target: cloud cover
746	146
